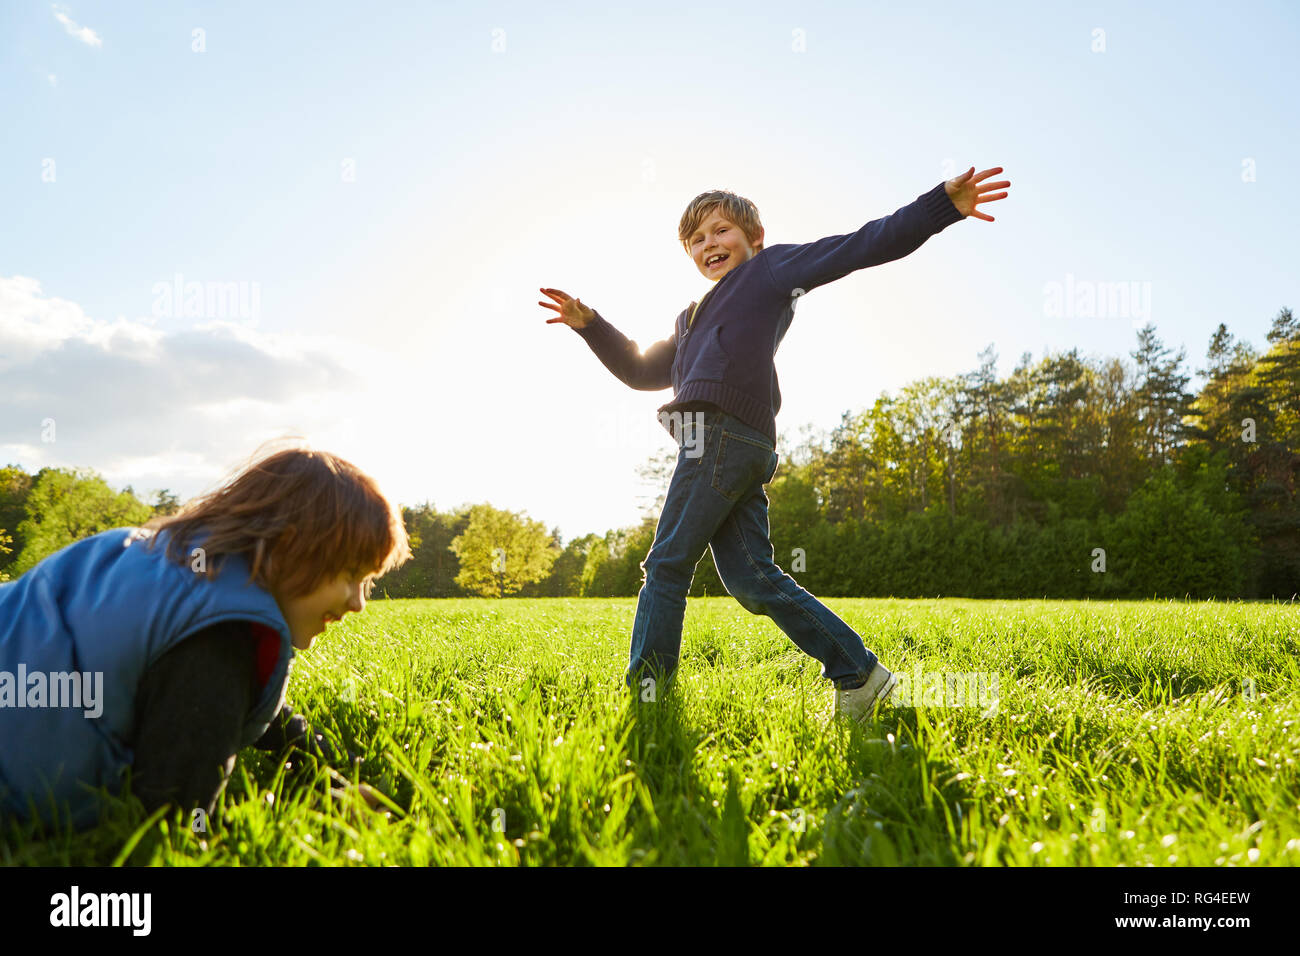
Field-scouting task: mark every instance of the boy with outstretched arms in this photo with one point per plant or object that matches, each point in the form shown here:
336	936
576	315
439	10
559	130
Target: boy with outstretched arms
720	364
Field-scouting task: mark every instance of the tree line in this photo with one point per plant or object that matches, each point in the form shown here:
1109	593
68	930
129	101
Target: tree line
1072	477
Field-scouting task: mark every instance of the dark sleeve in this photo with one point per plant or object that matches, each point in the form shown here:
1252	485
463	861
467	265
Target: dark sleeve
290	731
809	265
647	371
190	712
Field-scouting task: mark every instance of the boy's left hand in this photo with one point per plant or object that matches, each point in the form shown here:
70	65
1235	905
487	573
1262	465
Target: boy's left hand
965	191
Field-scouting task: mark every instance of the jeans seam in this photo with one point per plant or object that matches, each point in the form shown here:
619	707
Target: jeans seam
716	480
830	638
748	440
680	435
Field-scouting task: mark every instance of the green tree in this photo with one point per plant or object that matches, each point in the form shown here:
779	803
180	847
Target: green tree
565	579
65	506
1170	542
1162	395
1120	466
1215	416
166	503
1279	376
990	402
501	551
923	413
1272	467
613	566
1248	413
863	473
1286	328
432	570
15	486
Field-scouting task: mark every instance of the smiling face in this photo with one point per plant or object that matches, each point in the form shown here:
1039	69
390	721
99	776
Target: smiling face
719	236
307	614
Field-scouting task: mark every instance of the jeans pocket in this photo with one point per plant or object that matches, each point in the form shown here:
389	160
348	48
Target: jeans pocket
742	464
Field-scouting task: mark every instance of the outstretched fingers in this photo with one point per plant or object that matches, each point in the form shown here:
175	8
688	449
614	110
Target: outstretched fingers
982	193
562	297
555	294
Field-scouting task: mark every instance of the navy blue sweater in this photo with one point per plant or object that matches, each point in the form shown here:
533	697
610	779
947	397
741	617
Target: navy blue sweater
726	356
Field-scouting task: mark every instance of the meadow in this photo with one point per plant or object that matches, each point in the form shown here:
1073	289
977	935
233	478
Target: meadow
1126	733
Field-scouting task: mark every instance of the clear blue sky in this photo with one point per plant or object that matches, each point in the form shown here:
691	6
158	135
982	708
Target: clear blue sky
395	181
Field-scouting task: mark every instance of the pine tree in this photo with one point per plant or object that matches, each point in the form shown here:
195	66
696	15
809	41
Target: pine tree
989	402
1163	400
1286	328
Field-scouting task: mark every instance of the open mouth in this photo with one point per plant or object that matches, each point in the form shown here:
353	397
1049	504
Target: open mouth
717	262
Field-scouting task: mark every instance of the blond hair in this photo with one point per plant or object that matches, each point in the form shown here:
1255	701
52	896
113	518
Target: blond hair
734	208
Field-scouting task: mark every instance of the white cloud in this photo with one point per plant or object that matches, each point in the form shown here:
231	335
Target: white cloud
84	34
54	80
31	324
156	405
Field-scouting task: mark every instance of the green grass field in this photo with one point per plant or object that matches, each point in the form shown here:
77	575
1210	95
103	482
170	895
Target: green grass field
1122	734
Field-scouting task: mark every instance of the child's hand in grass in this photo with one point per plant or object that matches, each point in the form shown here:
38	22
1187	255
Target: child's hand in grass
340	786
965	191
572	312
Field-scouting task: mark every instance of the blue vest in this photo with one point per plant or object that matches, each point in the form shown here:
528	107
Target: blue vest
108	606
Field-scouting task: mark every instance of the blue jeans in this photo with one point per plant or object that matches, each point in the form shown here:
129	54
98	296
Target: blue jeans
716	500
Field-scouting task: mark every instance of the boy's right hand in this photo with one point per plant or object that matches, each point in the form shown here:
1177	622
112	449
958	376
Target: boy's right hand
572	312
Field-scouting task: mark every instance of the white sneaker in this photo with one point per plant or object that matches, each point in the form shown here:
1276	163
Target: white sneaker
861	702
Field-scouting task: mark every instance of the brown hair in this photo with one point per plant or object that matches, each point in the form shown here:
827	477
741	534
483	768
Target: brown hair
737	209
299	516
